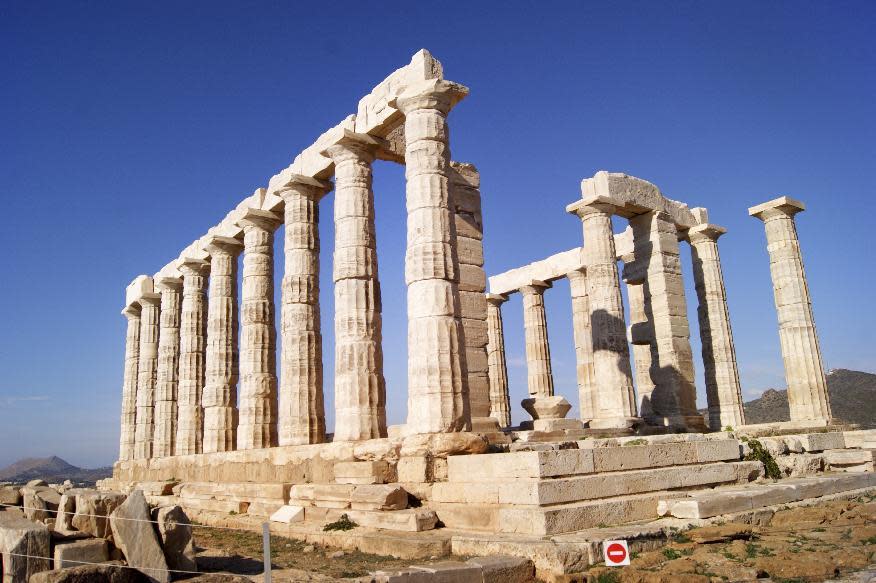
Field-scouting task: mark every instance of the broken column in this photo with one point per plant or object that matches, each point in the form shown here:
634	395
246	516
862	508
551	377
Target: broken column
673	400
465	206
437	389
147	373
616	406
360	388
723	390
807	386
583	335
301	416
129	384
641	338
500	408
168	366
257	410
192	357
219	398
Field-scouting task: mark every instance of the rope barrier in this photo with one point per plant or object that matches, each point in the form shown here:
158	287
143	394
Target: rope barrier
107	565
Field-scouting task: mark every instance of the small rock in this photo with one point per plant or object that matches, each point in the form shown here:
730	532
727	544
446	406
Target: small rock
336	555
308	549
722	533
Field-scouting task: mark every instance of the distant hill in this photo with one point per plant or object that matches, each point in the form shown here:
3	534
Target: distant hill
852	400
51	469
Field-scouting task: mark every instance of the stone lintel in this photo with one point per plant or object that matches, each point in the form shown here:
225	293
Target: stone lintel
549	269
784	204
636	196
142	284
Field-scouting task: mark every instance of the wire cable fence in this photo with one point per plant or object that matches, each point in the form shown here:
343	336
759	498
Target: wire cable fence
265	531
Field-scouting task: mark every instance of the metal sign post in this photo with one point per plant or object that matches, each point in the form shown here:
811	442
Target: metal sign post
266	550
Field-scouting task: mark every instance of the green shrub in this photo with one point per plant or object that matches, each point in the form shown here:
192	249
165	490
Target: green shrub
759	453
342	523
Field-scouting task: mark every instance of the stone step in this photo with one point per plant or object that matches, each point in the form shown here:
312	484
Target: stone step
732	499
572	462
547	491
233	490
850	460
368	472
551	519
356	497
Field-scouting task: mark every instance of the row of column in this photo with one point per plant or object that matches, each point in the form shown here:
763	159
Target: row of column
659	331
181	359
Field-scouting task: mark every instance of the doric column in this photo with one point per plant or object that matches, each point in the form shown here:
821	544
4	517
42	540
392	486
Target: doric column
129	384
437	387
168	366
539	377
616	406
360	388
257	427
807	386
192	357
500	407
219	398
641	338
147	373
302	412
465	206
673	400
723	390
583	335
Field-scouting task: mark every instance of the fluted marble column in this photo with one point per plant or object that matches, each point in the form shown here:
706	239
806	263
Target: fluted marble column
360	388
129	384
192	357
168	366
673	400
437	383
302	412
723	390
219	398
500	406
539	376
147	372
583	335
616	406
257	410
807	387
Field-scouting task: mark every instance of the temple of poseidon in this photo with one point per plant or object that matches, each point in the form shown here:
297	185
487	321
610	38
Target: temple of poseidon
213	422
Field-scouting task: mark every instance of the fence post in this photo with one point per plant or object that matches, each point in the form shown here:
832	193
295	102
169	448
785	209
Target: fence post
266	550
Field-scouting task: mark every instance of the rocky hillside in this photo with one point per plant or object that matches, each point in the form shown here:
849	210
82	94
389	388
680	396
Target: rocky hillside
50	469
852	398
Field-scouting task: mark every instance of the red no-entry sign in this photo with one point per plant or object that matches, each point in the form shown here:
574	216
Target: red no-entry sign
617	553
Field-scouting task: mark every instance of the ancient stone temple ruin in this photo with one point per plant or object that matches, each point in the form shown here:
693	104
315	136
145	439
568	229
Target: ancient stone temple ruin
215	418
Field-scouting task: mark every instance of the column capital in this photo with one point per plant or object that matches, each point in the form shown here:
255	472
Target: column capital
355	146
131	312
704	232
151	299
535	287
784	205
598	204
306	186
219	245
577	274
496	299
259	219
437	94
168	283
192	266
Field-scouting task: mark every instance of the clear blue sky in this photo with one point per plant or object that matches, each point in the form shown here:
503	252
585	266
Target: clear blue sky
130	128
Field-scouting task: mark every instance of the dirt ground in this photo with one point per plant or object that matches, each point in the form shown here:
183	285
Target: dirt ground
817	543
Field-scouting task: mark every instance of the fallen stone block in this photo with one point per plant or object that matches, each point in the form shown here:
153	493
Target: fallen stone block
442	445
288	514
379	497
92	510
797	465
175	530
721	533
134	534
10	495
113	572
39	502
36	483
20	536
74	554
